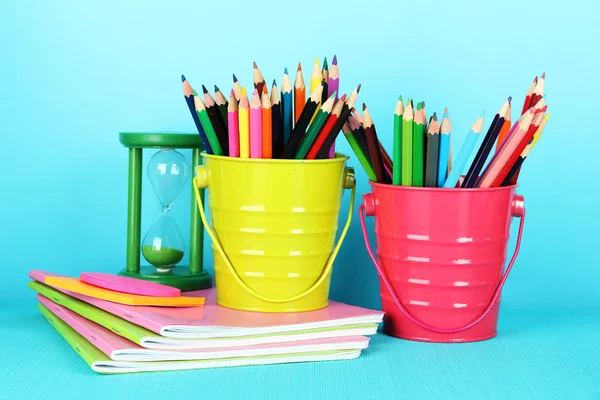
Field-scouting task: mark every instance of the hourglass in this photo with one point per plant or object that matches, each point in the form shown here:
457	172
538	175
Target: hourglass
163	245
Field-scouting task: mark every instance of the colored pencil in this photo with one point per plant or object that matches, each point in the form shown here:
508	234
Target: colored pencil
303	121
528	95
407	144
433	152
445	132
465	152
207	126
514	156
267	130
276	122
333	86
188	93
237	88
505	127
359	133
313	130
387	161
216	120
486	146
360	154
333	83
332	120
315	81
374	150
244	127
256	123
502	156
538	91
347	105
221	101
316	76
259	80
325	78
299	95
513	175
233	125
286	109
418	156
398	112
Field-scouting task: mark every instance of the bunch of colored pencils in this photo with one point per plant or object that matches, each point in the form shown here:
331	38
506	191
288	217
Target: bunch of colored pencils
422	152
286	125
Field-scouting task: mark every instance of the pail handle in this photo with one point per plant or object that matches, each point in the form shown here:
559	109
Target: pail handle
518	210
348	183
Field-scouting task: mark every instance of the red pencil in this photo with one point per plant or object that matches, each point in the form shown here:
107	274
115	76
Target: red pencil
528	95
538	91
326	129
517	152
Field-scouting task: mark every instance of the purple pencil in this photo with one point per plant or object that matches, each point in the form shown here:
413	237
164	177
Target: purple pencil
333	85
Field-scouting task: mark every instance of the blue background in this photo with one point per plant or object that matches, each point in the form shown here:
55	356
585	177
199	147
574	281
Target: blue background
74	74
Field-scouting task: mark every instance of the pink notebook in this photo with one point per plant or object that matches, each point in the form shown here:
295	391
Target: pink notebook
213	321
121	349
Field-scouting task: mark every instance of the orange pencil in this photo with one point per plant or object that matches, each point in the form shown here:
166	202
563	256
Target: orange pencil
299	94
505	127
267	134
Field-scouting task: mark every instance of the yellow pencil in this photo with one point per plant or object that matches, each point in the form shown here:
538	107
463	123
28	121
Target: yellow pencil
244	126
316	77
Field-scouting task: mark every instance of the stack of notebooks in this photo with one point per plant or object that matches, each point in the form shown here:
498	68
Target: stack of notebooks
120	337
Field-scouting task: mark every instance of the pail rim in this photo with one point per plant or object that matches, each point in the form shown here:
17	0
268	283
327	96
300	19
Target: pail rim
442	190
338	157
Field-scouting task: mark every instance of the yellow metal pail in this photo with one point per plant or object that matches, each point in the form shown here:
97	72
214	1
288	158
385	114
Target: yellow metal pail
273	228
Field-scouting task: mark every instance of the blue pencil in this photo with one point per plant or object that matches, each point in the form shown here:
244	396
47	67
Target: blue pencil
286	106
189	94
445	131
465	152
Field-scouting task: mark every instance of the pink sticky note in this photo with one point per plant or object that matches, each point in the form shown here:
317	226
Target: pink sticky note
124	284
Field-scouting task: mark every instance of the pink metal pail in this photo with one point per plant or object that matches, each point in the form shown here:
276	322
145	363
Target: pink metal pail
441	255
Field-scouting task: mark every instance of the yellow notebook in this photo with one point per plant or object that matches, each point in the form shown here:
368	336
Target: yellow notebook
77	286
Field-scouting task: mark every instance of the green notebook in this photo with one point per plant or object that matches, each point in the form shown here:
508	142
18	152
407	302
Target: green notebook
100	363
151	340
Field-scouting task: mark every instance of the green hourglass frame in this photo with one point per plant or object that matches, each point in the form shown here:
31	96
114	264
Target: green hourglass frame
192	278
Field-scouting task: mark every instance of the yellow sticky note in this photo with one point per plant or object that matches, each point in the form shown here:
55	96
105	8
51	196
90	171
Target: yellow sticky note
77	286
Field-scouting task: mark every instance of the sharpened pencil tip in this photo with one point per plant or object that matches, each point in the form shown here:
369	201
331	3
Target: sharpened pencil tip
400	98
325	67
343	98
299	67
204	89
285	71
535	79
254	63
182	78
509	99
358	88
482	114
274	82
232	93
446	111
423	104
434	116
195	93
234	78
364	106
265	91
255	93
317	60
334	62
544	75
217	88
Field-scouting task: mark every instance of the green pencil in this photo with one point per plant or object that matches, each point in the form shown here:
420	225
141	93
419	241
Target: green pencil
397	167
314	128
407	144
418	146
207	126
360	153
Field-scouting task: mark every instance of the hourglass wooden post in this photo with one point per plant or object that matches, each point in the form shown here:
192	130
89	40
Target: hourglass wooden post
194	277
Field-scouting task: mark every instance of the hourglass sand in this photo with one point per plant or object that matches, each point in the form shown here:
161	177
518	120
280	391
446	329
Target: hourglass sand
163	245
